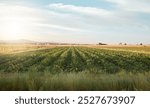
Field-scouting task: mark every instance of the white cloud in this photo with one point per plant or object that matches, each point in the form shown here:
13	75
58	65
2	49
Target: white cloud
133	5
91	16
79	9
60	22
119	24
59	27
32	21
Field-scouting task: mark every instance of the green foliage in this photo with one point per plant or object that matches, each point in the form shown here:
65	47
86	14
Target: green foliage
75	81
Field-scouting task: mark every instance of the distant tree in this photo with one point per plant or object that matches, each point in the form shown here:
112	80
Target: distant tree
125	43
101	43
120	43
141	43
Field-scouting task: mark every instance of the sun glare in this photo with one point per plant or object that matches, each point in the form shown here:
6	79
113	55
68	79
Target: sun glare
16	22
13	29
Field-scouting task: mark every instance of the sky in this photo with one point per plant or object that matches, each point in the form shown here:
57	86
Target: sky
76	21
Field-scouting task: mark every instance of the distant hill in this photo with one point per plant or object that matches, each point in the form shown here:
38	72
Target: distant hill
24	41
20	41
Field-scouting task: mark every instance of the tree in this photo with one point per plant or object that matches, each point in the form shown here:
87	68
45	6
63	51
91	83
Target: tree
141	44
120	43
101	43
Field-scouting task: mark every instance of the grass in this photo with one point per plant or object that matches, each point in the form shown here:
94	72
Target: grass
74	68
83	81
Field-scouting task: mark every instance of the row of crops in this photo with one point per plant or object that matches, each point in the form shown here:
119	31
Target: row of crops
75	59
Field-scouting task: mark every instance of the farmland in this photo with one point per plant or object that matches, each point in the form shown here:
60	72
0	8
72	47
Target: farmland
74	68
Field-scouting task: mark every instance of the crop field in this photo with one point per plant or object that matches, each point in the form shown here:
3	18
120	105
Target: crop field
74	68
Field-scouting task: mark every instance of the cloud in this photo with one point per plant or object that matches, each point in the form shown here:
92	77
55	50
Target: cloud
92	17
32	18
71	23
119	24
20	14
133	5
79	9
59	27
